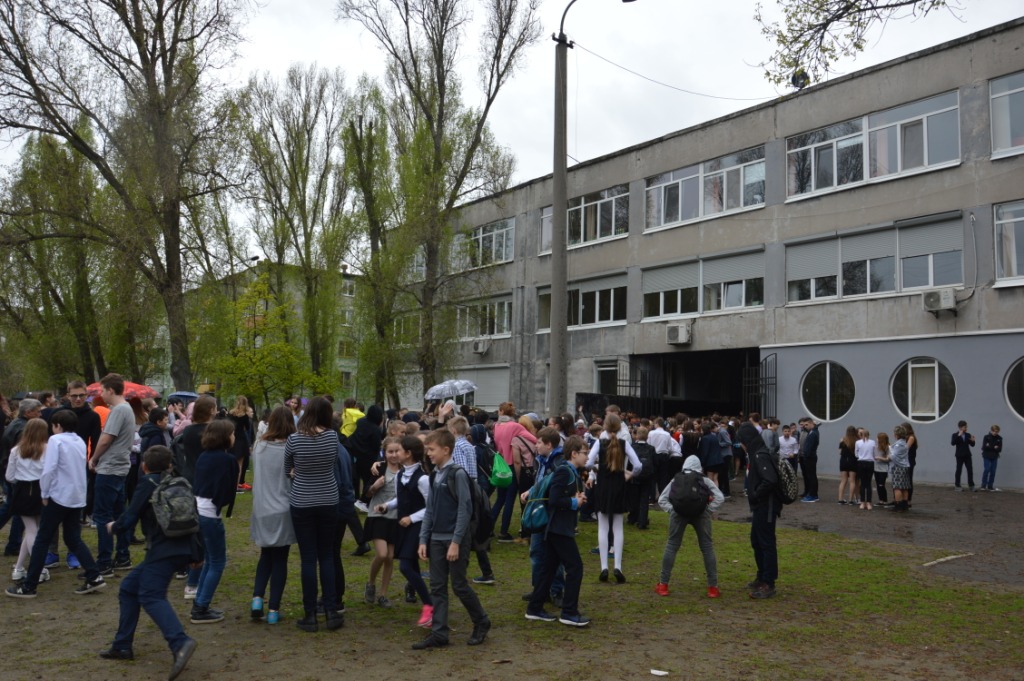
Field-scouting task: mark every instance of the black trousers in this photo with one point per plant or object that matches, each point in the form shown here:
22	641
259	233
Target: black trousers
561	550
809	464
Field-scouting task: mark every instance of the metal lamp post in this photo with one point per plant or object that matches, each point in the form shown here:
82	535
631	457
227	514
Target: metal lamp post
558	397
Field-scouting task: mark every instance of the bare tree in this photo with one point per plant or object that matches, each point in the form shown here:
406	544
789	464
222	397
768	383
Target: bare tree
814	34
136	71
444	150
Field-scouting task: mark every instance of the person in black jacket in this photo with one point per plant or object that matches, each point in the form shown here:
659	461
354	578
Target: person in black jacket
565	496
991	446
765	508
809	460
962	441
145	587
364	447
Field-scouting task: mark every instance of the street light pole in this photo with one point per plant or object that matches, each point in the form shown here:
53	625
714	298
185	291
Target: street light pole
558	395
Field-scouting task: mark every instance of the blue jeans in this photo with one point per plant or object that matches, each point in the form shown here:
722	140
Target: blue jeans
108	505
538	554
315	530
145	587
17	527
988	476
54	516
506	500
215	558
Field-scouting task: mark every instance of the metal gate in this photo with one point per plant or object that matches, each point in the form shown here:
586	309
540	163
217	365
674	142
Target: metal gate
759	388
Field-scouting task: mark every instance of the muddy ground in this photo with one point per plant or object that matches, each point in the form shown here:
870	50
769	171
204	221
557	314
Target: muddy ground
58	635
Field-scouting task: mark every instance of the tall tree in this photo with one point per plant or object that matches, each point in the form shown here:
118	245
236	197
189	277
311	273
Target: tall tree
138	71
813	34
444	150
294	137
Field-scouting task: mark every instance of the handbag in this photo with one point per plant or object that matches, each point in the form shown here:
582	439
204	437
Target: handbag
26	498
501	474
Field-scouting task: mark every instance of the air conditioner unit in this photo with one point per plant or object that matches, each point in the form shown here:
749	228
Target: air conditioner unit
481	346
677	334
939	299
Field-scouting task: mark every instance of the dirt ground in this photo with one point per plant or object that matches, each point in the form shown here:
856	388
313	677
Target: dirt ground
58	635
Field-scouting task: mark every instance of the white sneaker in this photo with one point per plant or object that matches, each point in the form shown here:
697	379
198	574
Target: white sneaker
361	507
994	489
190	592
18	574
44	576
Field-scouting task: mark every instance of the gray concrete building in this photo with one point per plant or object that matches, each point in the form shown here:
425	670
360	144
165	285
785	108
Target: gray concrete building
853	251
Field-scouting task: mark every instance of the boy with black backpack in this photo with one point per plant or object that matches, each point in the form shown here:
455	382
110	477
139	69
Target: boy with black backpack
167	552
690	499
445	538
641	485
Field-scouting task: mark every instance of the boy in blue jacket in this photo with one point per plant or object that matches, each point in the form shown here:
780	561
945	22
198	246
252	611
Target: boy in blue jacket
145	587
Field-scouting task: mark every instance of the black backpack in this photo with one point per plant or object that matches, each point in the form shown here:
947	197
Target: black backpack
646	454
689	495
481	524
174	506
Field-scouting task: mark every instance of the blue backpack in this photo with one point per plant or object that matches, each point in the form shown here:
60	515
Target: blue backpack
535	512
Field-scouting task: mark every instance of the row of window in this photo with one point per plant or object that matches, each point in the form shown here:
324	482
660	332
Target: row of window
909	138
586	307
922	389
927	256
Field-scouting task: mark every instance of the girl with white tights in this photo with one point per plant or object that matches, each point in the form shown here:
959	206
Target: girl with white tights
608	477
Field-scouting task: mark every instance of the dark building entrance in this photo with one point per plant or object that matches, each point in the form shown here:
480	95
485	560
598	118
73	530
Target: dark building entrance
696	383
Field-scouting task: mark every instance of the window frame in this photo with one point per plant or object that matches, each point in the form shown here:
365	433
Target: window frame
1011	149
1016	366
866	129
475	320
723	295
922	363
615	198
703	173
577	310
931	272
999	225
485	238
828	399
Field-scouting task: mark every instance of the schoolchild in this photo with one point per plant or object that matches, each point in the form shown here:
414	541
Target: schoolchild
991	448
608	458
382	526
565	496
549	456
412	490
444	538
701	525
145	587
216	482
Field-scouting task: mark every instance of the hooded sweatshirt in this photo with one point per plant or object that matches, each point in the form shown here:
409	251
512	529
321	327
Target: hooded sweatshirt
364	444
692	463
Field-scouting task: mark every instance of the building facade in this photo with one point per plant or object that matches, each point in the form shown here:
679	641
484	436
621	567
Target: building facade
853	251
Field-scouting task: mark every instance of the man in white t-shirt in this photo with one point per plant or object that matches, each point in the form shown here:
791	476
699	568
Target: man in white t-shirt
111	461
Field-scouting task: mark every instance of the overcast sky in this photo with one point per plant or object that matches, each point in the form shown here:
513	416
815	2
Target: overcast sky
705	47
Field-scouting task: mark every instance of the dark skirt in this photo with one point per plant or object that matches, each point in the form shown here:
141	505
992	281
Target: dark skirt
379	527
408	543
610	493
900	477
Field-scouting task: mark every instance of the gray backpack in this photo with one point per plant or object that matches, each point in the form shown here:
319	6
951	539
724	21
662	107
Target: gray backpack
174	506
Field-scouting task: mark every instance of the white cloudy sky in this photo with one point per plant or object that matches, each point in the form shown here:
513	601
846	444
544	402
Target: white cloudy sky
707	47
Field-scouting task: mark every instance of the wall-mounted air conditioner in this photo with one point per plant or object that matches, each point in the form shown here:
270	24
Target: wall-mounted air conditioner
677	334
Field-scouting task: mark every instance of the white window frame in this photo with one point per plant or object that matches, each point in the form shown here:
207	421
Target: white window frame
678	293
545	230
496	315
703	174
347	316
867	125
922	363
1018	410
1017	222
491	244
1008	149
829	416
723	294
867	273
348	287
575	294
931	271
594	204
812	282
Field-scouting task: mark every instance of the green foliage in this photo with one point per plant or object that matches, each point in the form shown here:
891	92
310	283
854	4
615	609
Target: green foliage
814	34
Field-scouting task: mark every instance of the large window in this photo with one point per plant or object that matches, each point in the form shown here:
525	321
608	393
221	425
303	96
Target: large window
931	255
923	389
717	284
545	230
481	320
827	390
923	255
733	282
588	304
1008	113
491	244
724	184
914	136
597	216
1015	388
1010	240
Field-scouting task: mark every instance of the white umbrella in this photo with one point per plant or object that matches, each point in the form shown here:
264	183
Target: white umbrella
450	388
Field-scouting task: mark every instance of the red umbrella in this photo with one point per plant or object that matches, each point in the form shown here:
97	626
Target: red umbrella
130	390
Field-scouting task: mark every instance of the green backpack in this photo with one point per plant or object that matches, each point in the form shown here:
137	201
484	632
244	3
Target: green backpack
174	506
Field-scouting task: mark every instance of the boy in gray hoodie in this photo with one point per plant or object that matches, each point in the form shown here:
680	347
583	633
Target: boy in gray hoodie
701	525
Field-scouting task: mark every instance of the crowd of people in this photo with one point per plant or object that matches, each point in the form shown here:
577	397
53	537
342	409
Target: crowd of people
425	483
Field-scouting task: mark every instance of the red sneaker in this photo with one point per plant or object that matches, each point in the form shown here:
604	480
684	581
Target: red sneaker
713	592
426	617
661	589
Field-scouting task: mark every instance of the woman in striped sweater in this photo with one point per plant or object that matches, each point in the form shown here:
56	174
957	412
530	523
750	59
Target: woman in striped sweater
309	458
